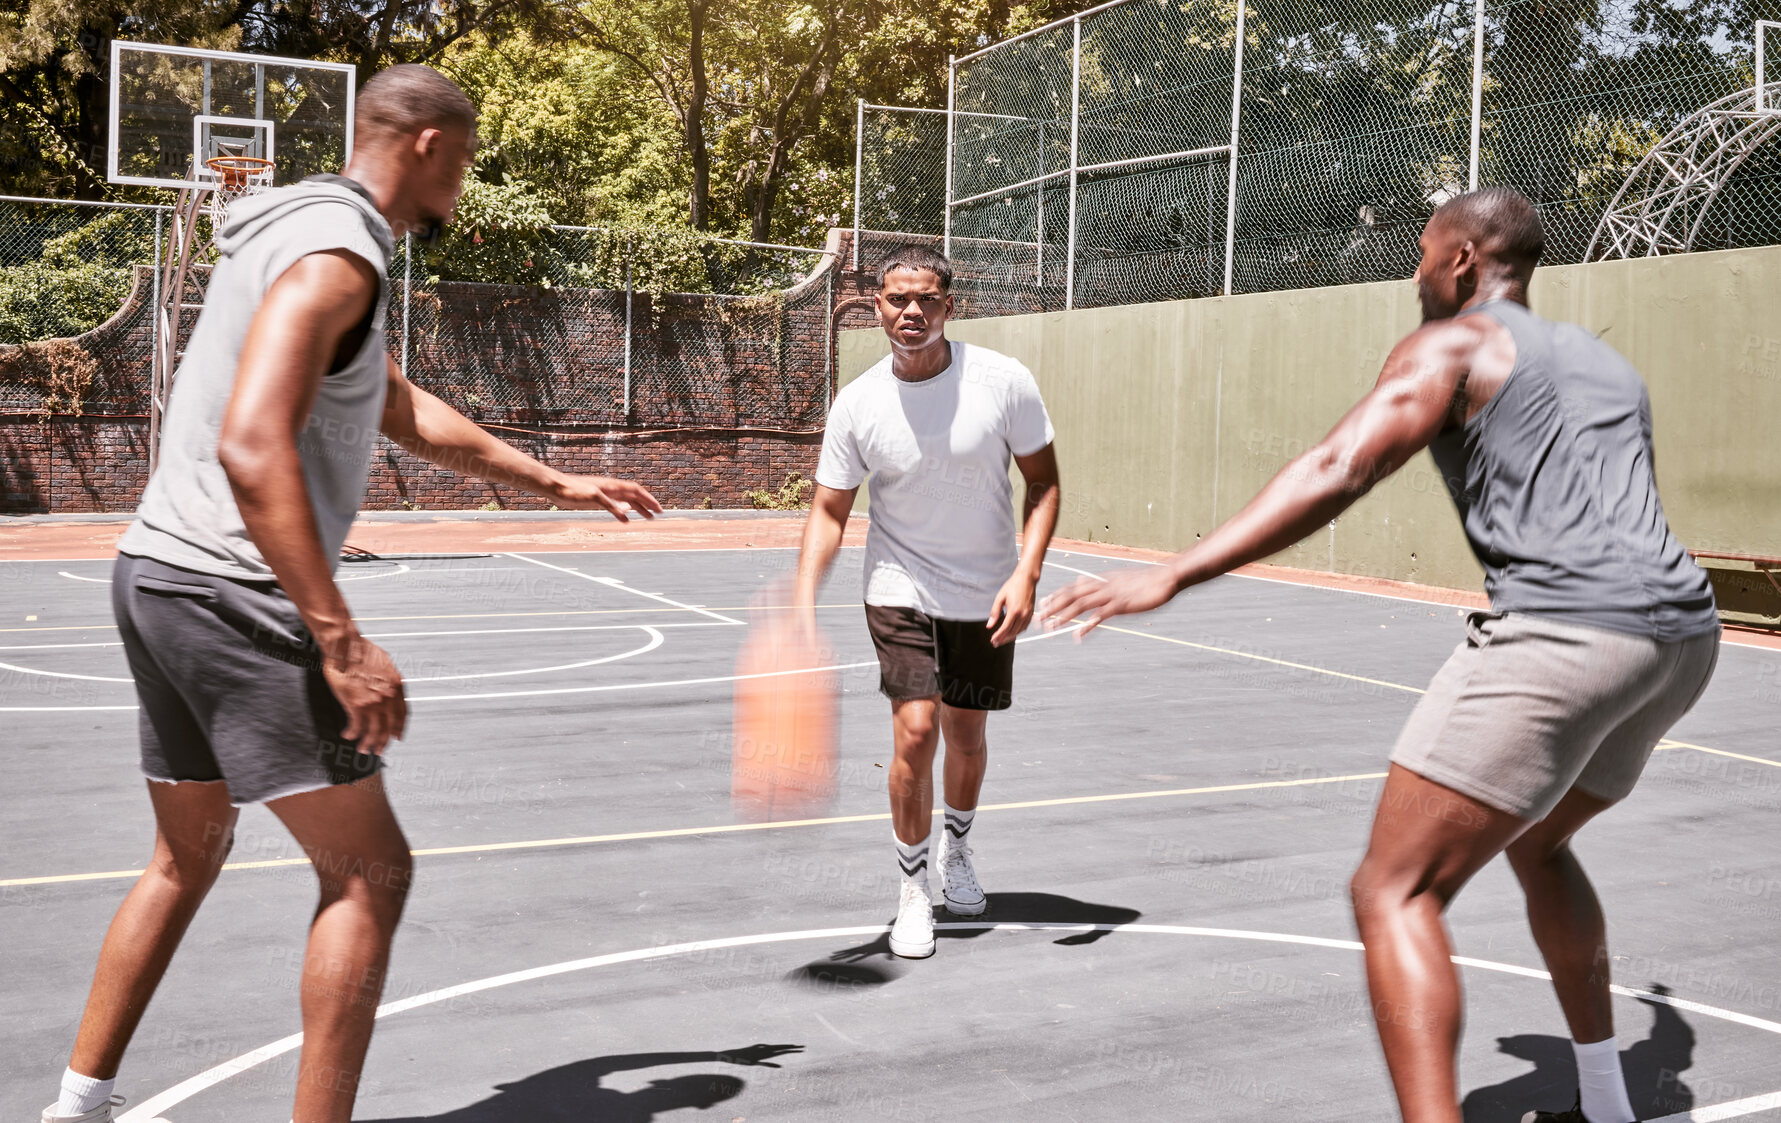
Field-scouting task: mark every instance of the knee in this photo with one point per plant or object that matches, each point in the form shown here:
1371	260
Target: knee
192	870
380	881
968	743
1377	890
1366	891
917	738
1531	856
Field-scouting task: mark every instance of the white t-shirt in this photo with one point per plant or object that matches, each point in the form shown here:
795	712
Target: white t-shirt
942	538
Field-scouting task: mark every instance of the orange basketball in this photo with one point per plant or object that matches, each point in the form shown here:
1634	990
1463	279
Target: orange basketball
783	763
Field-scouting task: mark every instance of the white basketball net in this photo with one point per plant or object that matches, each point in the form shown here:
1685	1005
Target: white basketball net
234	177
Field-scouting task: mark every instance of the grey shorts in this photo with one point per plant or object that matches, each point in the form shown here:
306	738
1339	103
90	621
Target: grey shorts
230	684
1530	706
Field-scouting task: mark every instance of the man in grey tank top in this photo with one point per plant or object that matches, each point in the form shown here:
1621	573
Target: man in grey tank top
1602	634
254	681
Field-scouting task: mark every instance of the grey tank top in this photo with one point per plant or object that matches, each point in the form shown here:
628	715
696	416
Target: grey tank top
1554	482
188	515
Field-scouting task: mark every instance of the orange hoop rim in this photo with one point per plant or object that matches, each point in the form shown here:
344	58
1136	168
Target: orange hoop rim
238	171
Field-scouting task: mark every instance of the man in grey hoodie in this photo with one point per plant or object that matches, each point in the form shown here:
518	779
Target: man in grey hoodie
254	681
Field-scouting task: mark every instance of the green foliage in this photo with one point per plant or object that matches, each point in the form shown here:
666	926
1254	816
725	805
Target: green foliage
39	302
498	236
79	280
792	495
567	121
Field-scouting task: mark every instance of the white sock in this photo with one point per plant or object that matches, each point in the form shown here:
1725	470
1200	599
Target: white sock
81	1094
913	857
1601	1082
958	824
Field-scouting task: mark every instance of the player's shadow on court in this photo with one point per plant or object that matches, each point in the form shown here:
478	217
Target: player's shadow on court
572	1093
1653	1070
857	963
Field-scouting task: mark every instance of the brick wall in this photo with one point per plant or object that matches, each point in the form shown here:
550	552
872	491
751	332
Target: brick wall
727	394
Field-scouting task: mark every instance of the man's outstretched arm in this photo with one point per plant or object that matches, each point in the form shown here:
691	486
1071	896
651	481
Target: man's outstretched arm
435	432
1418	394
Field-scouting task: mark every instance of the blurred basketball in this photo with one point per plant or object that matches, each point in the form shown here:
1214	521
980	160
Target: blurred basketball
783	762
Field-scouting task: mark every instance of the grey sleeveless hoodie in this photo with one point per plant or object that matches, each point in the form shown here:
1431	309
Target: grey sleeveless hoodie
188	516
1555	484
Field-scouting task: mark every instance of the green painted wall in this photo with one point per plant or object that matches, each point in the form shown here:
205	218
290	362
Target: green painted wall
1170	416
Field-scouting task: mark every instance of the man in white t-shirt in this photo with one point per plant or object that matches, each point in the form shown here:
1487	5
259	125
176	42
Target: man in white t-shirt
946	587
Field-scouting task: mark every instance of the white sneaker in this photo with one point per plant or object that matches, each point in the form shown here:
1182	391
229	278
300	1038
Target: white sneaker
958	881
912	936
100	1114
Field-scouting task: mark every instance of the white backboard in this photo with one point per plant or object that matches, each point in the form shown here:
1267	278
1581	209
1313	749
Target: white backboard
172	108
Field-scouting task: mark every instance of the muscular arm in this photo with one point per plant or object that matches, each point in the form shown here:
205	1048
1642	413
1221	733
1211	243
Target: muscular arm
1418	395
290	346
435	432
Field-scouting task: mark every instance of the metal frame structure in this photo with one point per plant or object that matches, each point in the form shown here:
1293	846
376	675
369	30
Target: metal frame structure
1664	202
1076	170
1763	27
183	270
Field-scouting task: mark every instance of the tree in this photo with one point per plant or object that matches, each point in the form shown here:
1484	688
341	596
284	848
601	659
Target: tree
53	95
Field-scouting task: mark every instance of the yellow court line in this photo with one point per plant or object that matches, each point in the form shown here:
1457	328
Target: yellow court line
725	828
476	615
1263	659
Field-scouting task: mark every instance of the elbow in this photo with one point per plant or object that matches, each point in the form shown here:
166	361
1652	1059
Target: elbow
1339	471
248	464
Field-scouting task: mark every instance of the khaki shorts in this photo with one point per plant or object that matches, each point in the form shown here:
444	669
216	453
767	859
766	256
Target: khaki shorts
1530	706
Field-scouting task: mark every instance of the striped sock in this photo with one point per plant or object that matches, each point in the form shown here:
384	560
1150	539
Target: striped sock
913	857
958	824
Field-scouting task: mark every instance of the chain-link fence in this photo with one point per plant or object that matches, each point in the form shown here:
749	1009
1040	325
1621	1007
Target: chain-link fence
563	325
1090	160
77	270
899	171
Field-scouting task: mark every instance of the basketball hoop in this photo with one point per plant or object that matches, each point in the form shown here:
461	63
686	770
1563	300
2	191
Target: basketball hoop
236	176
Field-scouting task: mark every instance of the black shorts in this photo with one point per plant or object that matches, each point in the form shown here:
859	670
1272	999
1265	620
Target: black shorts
230	684
920	656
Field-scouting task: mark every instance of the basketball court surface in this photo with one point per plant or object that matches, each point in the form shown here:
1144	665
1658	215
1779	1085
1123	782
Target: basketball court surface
1172	813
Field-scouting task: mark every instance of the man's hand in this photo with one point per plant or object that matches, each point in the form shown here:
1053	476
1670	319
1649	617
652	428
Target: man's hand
1093	600
1013	607
586	493
369	687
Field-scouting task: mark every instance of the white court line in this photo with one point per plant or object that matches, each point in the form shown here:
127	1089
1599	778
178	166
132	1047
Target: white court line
409	635
65	674
1276	581
186	1089
673	682
1073	569
617	584
78	577
654	641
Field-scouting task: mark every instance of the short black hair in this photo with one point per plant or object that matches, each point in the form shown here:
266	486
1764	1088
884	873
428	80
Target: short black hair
1501	220
407	98
916	257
